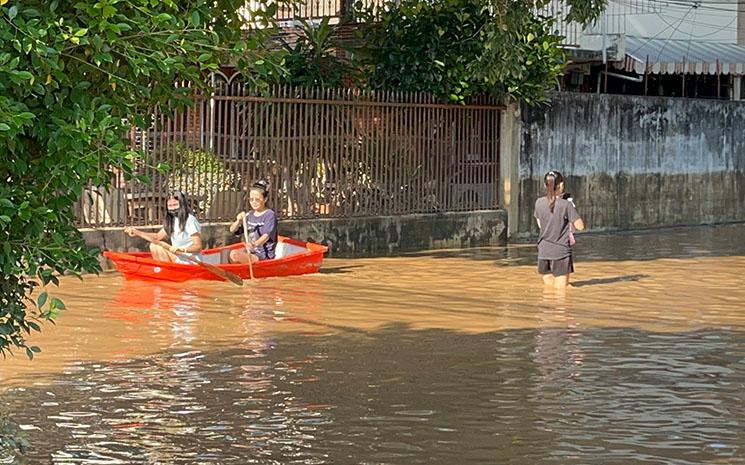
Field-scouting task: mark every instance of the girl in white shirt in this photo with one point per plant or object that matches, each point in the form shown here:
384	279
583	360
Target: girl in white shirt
180	226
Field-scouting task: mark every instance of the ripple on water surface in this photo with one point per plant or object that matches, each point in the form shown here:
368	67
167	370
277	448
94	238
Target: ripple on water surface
440	357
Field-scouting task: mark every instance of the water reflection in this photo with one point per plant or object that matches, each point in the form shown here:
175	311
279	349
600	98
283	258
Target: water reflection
430	359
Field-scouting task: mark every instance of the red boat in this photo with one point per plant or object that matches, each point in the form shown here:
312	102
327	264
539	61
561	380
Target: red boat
292	258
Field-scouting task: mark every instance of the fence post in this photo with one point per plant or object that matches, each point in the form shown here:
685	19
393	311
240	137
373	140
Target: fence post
509	165
211	122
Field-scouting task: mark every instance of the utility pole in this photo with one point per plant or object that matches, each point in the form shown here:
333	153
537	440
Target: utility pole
605	52
740	22
736	92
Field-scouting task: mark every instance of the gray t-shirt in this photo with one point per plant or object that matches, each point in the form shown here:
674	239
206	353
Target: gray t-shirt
553	240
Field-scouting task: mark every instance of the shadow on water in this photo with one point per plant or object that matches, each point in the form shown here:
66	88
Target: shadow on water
688	242
399	395
338	269
610	280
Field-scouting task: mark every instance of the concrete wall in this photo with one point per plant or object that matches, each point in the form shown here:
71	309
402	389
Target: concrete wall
354	236
636	162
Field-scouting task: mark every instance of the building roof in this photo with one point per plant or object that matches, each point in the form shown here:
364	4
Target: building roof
665	56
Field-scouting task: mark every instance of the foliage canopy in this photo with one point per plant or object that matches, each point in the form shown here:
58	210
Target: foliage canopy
459	48
75	78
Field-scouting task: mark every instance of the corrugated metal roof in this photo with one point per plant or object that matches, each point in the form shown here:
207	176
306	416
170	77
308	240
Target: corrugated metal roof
664	56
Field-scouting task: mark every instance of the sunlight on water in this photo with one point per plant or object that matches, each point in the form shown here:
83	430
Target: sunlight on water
455	356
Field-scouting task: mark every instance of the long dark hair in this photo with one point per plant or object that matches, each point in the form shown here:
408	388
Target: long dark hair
182	213
552	180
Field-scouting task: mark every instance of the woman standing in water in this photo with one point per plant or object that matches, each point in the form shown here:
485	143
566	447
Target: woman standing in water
180	226
555	217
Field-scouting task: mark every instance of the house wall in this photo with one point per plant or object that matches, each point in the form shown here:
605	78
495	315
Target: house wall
636	162
710	21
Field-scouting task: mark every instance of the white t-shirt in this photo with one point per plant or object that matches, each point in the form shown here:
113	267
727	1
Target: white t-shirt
183	238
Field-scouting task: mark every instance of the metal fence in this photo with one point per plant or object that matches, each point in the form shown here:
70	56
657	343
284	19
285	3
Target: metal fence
336	10
324	152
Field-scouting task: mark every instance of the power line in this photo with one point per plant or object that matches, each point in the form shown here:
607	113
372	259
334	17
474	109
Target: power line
659	54
690	35
678	19
676	8
706	25
678	5
656	36
700	4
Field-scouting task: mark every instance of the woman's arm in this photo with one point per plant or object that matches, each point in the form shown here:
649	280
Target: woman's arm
578	224
159	236
261	240
233	227
195	247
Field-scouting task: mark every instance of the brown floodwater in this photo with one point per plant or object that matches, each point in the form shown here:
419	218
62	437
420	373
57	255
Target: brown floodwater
442	357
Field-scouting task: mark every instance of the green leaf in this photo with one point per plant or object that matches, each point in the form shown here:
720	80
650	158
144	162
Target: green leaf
24	75
13	12
195	18
4	127
42	299
57	304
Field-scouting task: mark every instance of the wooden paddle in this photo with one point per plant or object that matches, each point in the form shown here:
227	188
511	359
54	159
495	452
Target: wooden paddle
245	236
226	275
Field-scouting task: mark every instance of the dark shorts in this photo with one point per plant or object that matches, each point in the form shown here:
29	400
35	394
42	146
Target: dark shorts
264	254
559	267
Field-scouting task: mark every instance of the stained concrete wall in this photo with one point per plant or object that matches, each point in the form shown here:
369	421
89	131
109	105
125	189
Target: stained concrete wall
636	162
347	237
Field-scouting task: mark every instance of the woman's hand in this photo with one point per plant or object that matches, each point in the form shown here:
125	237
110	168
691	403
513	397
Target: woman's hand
129	230
233	227
175	249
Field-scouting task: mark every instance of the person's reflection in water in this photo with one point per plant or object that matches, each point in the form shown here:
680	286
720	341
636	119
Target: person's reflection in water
560	359
253	319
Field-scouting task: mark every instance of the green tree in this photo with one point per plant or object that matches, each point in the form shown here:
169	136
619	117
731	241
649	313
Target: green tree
459	48
311	59
75	78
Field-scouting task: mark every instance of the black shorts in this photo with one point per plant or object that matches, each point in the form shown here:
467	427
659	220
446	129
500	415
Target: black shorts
560	267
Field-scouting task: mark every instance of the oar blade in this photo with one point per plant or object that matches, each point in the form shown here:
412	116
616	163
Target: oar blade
232	277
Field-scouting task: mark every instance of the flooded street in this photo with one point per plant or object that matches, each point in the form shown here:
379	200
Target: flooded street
443	357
